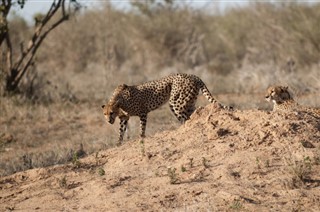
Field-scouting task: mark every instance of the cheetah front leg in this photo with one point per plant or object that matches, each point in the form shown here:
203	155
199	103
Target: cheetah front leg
123	128
143	124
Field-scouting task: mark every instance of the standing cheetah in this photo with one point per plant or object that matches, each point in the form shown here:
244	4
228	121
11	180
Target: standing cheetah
180	90
283	101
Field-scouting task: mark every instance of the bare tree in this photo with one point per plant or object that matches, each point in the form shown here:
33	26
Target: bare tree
14	69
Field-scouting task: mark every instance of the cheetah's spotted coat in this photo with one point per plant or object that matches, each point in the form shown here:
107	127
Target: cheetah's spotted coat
180	90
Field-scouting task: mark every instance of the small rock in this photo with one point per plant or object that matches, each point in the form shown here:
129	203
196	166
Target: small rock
307	144
6	138
222	132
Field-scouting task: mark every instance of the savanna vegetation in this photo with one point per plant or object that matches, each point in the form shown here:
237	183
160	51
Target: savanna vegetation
54	110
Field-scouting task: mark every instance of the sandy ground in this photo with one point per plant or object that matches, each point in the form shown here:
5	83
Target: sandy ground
217	161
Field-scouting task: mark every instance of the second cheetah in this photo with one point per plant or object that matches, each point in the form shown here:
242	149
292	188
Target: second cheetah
283	101
180	90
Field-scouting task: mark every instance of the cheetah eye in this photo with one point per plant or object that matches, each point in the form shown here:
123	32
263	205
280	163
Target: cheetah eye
105	114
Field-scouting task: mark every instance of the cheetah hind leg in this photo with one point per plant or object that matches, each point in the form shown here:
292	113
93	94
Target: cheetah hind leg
183	106
182	116
190	110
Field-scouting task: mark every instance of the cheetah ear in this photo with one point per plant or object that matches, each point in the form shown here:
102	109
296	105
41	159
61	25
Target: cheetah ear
103	106
121	87
285	88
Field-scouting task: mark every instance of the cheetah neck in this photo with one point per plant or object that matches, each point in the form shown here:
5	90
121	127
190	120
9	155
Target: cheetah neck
284	105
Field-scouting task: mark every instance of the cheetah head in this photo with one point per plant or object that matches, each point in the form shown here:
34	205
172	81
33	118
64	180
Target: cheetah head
278	94
112	109
110	112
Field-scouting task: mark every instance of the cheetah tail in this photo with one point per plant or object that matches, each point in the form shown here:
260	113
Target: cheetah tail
211	99
205	91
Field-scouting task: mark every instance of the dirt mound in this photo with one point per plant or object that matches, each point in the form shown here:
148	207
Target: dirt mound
219	160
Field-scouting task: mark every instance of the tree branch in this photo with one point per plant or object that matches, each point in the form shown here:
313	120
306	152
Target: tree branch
53	9
16	72
9	53
37	45
4	24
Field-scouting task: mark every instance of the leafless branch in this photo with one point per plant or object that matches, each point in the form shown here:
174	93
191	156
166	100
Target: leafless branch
17	70
9	53
36	45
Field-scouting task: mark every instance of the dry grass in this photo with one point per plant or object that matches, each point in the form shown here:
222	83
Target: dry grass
43	135
46	135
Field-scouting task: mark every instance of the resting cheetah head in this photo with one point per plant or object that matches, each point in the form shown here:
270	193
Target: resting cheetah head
110	112
278	94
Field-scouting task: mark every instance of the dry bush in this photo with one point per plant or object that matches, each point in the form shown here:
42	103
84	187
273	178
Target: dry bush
260	43
19	31
142	43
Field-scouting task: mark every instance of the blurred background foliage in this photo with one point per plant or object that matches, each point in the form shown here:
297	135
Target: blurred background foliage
240	49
